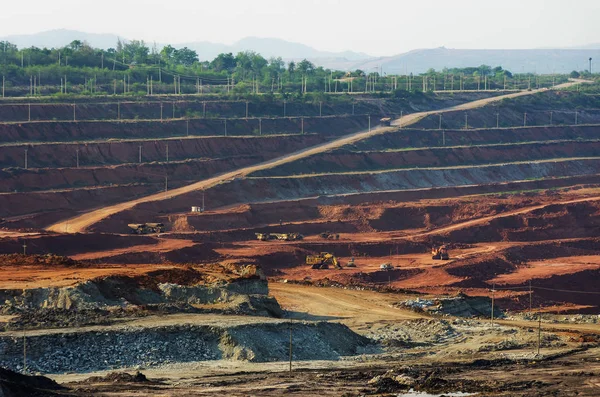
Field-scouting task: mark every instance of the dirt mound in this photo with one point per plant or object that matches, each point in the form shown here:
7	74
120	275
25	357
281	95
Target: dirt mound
13	384
119	377
48	260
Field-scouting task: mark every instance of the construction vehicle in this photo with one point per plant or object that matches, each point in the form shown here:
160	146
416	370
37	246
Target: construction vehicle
386	121
386	266
440	253
279	236
330	236
322	261
146	228
351	263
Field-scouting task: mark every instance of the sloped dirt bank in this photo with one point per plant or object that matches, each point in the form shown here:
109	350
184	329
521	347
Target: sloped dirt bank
340	161
56	155
414	138
118	347
274	189
65	131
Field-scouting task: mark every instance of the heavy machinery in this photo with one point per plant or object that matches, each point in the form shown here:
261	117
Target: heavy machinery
351	263
386	121
279	236
146	228
322	261
386	266
330	236
440	252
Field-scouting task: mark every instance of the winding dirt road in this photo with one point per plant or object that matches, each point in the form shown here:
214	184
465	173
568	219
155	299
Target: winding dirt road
81	222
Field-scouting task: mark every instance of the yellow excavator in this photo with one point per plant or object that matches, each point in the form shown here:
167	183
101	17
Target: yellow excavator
323	261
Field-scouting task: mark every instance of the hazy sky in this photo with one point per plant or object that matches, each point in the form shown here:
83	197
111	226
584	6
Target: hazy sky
377	27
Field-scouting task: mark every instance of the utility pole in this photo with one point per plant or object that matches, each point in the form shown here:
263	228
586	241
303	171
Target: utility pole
246	109
161	111
173	109
440	123
24	353
259	126
74	118
493	291
590	65
166	184
497	120
29	112
25	158
539	330
369	123
525	120
77	157
284	103
466	121
167	152
530	297
302	125
320	109
24	248
139	153
204	109
400	120
443	137
291	346
225	127
187	127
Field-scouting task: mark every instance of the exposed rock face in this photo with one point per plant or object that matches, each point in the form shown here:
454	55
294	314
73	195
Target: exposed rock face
126	346
248	295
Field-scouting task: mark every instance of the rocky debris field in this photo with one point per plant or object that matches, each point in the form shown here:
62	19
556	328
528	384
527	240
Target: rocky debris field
126	346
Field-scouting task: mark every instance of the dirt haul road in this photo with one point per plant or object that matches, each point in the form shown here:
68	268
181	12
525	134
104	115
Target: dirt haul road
82	222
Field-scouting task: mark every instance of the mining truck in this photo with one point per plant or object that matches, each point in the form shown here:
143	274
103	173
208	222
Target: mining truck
386	121
440	252
146	228
322	261
279	236
330	236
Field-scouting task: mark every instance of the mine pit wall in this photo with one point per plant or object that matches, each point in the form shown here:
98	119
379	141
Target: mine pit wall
263	189
183	172
194	107
66	131
339	161
575	220
509	118
117	222
414	138
113	153
106	349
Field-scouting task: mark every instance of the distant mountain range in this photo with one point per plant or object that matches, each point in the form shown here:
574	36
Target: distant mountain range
267	47
543	61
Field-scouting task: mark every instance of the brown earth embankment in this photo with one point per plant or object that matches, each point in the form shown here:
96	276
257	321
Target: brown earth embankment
66	131
178	172
120	152
413	138
343	161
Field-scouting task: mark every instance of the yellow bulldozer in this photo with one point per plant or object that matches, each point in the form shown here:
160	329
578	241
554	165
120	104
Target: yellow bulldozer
323	261
440	252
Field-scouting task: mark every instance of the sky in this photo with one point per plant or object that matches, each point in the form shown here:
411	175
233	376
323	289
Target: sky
375	27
